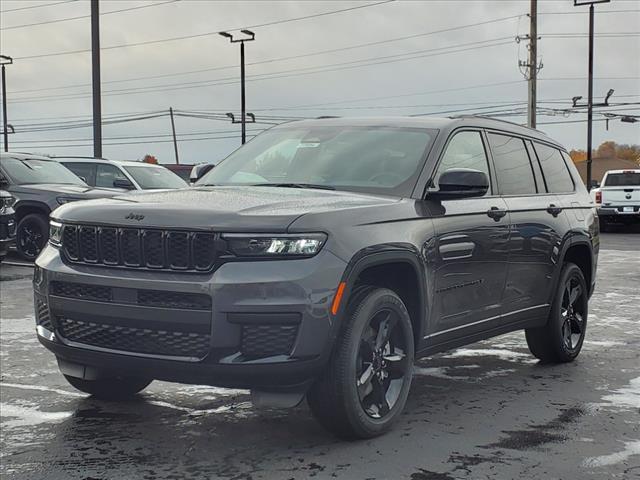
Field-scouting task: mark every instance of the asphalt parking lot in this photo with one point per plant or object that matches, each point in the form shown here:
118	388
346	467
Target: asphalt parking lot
485	411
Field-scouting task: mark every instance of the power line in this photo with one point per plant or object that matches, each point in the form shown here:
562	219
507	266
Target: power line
138	7
274	75
36	6
291	57
205	34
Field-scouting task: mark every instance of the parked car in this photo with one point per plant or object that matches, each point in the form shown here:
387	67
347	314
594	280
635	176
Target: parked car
122	174
40	185
200	170
180	169
321	259
618	198
7	223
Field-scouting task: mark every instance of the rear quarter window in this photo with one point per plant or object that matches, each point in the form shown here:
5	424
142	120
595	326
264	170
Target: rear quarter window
554	169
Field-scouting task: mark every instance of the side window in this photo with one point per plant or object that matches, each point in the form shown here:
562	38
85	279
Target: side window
465	150
106	174
512	164
554	169
86	171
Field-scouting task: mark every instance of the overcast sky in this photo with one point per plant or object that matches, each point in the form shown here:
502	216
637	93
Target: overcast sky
463	69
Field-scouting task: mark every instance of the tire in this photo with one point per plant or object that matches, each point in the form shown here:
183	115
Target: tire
115	388
561	339
32	235
366	383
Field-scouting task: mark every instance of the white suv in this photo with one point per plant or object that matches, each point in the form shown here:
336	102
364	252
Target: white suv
122	174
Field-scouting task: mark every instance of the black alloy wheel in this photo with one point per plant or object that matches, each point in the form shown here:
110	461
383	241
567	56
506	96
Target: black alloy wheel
572	313
382	364
31	236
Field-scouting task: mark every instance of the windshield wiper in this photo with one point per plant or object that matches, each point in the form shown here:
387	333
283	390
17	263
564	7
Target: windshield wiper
295	185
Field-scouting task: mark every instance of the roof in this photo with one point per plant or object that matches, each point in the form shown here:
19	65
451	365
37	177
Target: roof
105	160
23	155
438	123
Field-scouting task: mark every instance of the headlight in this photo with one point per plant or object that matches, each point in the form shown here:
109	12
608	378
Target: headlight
63	200
55	233
278	245
6	203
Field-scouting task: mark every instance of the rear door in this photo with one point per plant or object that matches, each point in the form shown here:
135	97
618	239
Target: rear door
538	223
469	254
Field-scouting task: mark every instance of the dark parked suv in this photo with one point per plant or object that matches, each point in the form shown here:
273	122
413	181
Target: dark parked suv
321	259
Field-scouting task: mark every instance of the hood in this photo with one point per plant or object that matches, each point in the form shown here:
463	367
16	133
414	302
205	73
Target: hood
76	191
258	209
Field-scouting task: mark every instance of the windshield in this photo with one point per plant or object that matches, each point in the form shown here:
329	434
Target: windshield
625	179
371	159
155	177
31	170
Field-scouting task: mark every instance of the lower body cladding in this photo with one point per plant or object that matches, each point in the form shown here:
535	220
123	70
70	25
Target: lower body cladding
264	326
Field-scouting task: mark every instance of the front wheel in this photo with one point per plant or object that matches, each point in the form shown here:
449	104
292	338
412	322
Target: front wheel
32	234
561	339
113	388
366	384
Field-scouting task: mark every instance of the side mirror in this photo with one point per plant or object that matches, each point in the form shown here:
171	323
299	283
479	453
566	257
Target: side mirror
461	183
595	184
199	171
123	183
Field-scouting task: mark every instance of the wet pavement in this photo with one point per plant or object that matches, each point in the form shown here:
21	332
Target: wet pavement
486	411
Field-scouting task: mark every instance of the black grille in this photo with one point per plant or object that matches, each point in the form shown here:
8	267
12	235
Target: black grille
81	291
140	248
136	340
268	340
147	298
43	318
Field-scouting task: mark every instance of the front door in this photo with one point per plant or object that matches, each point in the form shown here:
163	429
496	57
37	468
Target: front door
469	253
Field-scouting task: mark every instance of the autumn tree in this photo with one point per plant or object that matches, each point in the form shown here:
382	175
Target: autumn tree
606	150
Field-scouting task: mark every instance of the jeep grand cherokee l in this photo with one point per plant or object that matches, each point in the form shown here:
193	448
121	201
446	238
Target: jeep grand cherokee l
321	259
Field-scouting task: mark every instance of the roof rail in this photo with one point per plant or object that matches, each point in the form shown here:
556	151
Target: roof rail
322	117
485	117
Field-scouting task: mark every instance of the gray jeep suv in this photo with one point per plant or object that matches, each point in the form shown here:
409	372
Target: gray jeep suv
40	185
321	259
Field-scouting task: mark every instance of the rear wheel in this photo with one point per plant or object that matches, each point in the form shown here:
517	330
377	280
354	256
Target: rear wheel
113	388
366	384
32	235
561	339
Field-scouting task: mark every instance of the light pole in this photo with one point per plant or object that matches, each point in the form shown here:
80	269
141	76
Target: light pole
5	60
95	79
250	36
579	3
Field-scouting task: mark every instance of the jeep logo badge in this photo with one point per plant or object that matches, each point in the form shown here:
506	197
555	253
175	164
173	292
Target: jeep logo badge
134	216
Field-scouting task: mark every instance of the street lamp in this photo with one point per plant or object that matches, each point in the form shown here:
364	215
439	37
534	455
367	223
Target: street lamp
580	3
5	60
249	37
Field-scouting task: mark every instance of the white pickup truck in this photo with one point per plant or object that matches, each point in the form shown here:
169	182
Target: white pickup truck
618	198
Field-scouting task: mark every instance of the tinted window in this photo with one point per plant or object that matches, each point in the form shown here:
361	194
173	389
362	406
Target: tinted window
625	179
371	159
513	168
554	169
465	150
106	174
86	171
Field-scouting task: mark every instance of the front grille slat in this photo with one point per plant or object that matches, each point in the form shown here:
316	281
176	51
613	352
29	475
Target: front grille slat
152	248
136	340
259	341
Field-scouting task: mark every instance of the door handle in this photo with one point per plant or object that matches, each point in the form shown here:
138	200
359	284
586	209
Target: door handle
496	213
554	210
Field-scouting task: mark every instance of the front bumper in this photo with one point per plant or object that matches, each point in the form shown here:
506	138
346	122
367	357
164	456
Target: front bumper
260	325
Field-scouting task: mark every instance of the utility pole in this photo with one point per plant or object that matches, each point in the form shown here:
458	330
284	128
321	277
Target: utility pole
533	62
95	70
530	67
578	3
5	60
173	130
243	112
